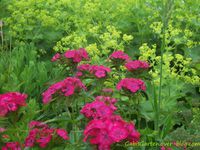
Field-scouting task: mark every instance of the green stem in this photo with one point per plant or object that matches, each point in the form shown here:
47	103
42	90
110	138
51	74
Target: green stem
138	112
167	7
2	36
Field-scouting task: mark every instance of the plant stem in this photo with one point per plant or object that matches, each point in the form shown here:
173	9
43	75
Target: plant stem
138	112
167	7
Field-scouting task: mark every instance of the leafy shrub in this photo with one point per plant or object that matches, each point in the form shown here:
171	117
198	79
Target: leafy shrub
22	70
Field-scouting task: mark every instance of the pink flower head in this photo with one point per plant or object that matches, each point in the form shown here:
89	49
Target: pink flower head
99	71
62	133
41	134
44	140
12	146
119	55
96	109
136	64
11	101
109	101
66	87
56	57
131	84
77	55
82	68
106	131
2	130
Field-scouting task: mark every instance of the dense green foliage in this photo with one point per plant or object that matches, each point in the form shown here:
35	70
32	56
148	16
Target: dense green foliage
166	33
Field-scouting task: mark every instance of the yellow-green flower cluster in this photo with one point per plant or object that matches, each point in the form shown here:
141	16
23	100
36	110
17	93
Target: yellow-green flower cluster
105	41
174	66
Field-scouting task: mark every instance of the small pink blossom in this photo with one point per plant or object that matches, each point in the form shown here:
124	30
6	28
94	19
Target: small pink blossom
11	101
119	55
96	109
131	84
62	133
109	101
77	55
2	130
56	57
29	141
44	140
99	71
66	87
41	134
106	131
11	146
136	64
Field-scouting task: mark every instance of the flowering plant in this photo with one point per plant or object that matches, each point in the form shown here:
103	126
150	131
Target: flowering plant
68	100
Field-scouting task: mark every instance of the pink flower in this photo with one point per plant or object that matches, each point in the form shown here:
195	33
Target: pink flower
56	57
11	101
136	64
109	101
12	106
29	141
12	146
96	109
131	84
66	87
118	133
2	130
77	55
106	131
99	71
62	133
44	140
40	133
84	67
119	55
3	111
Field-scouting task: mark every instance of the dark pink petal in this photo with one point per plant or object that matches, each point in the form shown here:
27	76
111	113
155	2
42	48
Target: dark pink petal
56	57
29	141
62	133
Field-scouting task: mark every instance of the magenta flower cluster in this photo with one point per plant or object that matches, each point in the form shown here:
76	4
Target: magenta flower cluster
107	131
101	107
11	101
98	71
136	64
11	146
75	55
106	128
41	134
119	55
131	84
66	87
